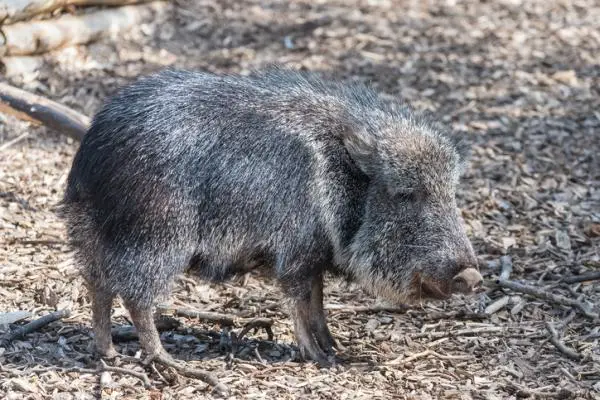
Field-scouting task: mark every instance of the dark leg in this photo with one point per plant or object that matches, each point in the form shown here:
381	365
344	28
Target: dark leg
303	284
101	307
309	347
318	322
150	341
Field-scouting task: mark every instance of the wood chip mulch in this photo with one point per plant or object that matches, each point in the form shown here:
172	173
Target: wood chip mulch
519	79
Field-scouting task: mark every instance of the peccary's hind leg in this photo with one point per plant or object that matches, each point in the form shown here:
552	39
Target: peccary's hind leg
101	307
318	321
150	340
143	319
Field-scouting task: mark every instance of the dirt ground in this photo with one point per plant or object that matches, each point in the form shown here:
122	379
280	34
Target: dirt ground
519	79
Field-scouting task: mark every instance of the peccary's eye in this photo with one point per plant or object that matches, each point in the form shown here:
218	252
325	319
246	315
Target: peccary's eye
412	196
406	195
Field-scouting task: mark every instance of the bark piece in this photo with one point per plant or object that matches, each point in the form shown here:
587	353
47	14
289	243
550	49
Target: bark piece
36	37
12	11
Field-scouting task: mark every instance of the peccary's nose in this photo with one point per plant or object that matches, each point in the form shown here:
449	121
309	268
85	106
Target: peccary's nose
467	281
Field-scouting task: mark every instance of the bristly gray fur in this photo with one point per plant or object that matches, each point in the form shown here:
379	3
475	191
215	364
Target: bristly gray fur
186	170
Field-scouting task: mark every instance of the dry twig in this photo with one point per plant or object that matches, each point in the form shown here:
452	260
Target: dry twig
506	267
572	354
455	315
461	332
256	323
544	295
401	361
590	276
365	309
9	143
497	305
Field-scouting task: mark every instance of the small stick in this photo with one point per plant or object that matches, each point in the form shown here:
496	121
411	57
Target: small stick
589	276
365	309
462	332
497	305
204	376
572	354
426	353
36	324
541	294
9	143
140	375
523	391
264	323
402	361
507	267
461	314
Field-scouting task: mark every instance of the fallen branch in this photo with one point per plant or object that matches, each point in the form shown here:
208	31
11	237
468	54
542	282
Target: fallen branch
36	37
36	325
14	11
589	276
365	309
572	354
37	109
544	295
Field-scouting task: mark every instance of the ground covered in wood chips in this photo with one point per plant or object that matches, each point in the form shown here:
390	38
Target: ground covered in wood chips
519	79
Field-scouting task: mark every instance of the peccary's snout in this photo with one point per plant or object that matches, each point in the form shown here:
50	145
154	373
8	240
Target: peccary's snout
467	281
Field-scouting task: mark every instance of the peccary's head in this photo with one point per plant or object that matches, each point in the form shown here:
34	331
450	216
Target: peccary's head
412	243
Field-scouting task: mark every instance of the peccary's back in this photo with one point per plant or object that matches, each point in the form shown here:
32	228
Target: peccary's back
221	166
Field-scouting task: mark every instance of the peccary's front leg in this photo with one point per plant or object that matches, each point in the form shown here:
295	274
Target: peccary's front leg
306	295
317	317
307	343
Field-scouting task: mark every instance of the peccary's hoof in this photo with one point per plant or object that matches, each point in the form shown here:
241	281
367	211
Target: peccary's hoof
109	354
327	361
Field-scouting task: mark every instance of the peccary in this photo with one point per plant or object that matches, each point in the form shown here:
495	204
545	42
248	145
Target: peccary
214	174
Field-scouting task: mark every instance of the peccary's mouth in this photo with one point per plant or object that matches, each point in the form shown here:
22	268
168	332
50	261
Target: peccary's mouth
468	282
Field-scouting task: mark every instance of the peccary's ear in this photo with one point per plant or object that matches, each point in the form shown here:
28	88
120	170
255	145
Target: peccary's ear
362	147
